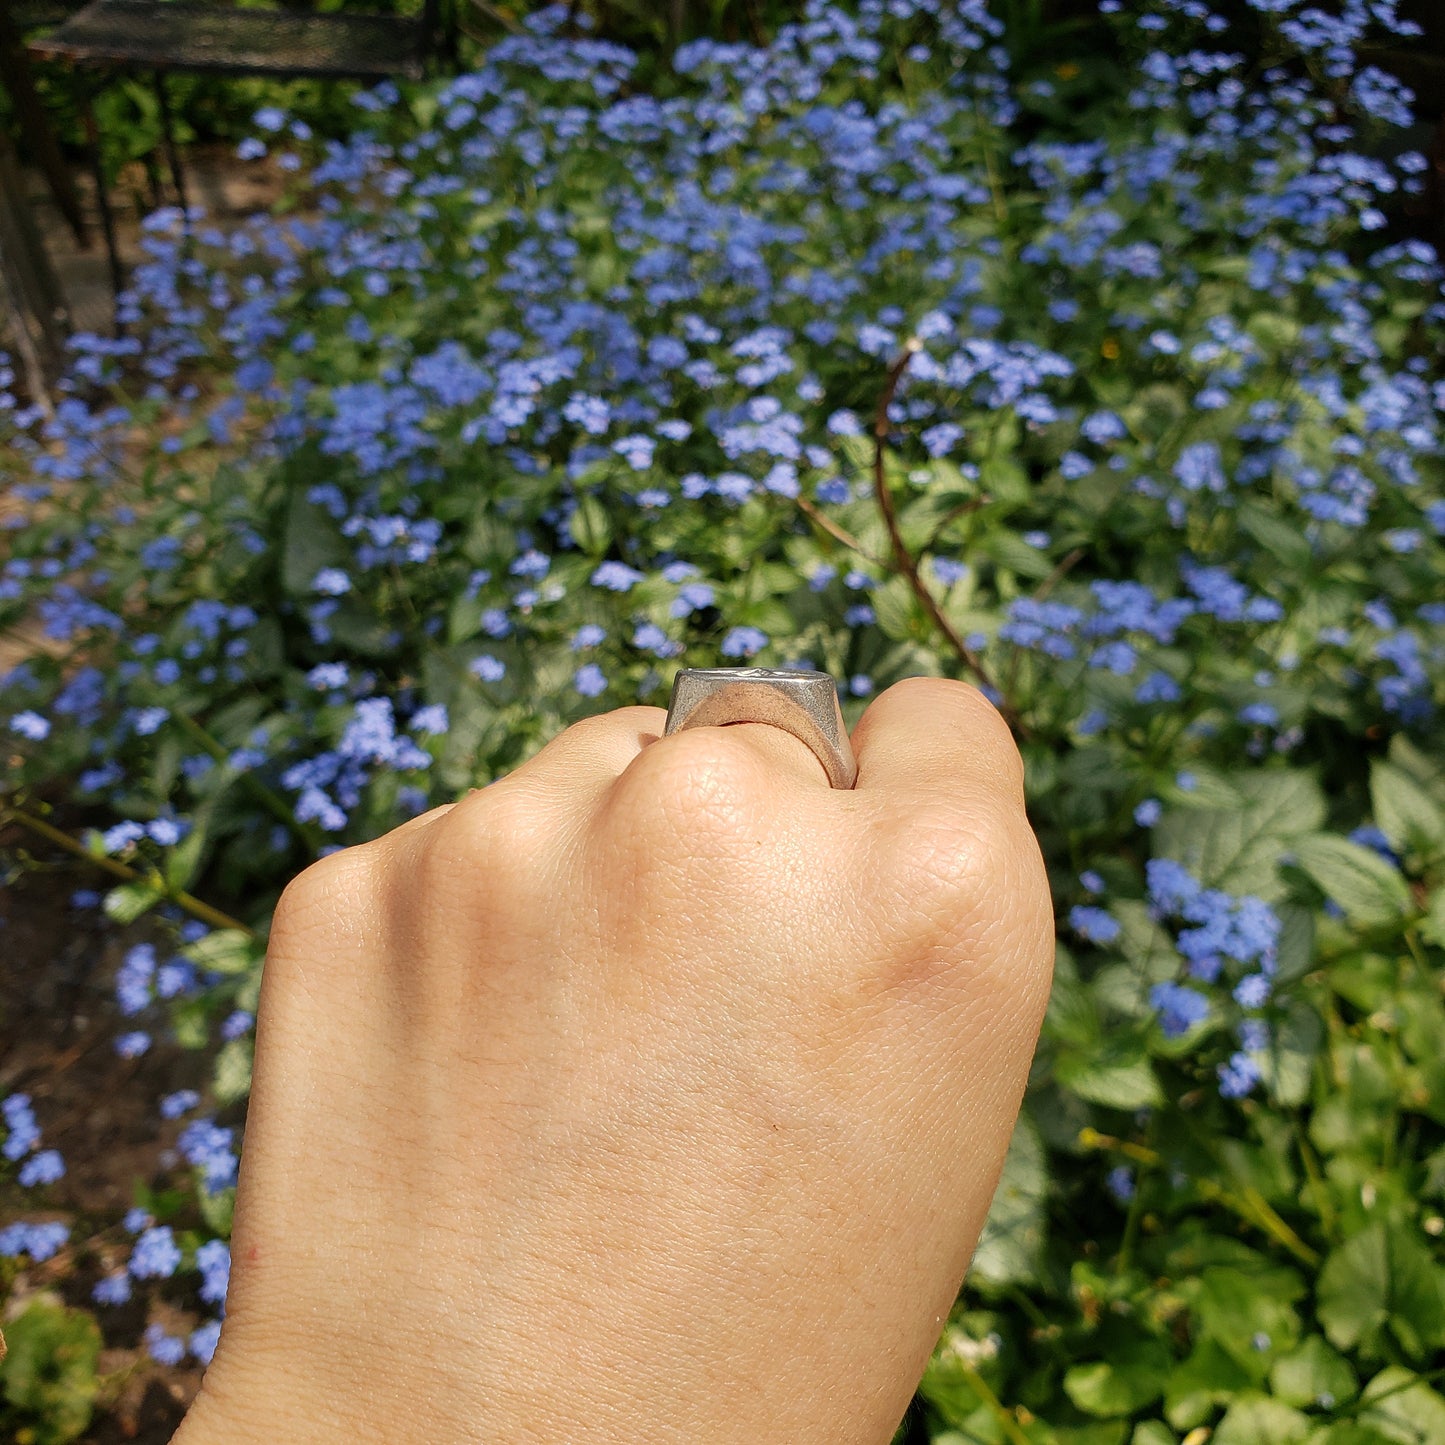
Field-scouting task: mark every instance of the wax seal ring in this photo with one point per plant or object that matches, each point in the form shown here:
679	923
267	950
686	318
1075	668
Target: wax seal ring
802	703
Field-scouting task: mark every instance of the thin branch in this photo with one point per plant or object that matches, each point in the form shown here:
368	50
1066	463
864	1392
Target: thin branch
953	514
192	905
833	529
901	553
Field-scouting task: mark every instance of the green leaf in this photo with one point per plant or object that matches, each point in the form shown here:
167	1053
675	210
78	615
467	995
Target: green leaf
1238	849
590	525
312	542
1406	814
1409	1410
1132	1379
227	951
1383	1276
1371	892
129	901
1279	538
1313	1376
1121	1084
1011	1247
50	1370
1209	1378
217	1209
1151	1432
1433	924
897	609
1258	1420
1287	1065
184	860
1295	950
231	1078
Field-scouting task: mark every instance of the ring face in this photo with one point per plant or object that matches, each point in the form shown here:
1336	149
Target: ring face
804	704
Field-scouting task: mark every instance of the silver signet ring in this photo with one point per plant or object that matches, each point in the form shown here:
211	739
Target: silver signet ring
802	703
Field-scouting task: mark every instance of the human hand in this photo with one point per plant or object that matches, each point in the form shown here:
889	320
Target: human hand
657	1091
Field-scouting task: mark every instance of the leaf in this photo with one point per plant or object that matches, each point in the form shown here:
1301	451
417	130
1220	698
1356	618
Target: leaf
1287	1065
1371	892
184	860
1406	815
231	1078
1383	1276
218	1208
1277	537
897	609
50	1369
129	901
590	525
1409	1410
1258	1420
1294	953
311	543
1123	1084
1313	1377
1135	1376
227	951
1011	1248
1238	849
1210	1377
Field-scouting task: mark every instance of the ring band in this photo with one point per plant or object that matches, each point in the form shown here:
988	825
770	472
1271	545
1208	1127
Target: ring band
804	704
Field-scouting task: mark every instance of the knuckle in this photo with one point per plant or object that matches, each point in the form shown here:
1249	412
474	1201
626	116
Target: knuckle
498	834
323	898
696	783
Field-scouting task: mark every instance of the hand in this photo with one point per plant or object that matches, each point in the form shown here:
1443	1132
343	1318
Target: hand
655	1092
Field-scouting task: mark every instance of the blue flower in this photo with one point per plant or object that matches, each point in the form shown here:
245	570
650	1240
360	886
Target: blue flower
1147	813
132	1045
172	1106
45	1167
743	642
114	1289
155	1255
1179	1008
1252	991
331	582
24	1133
163	1348
1239	1076
488	668
1098	925
590	680
616	576
30	725
206	1146
431	720
1120	1183
204	1339
213	1259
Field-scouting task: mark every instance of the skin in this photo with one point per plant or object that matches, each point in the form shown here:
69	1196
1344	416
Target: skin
657	1091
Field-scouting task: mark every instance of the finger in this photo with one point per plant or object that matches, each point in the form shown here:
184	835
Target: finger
934	737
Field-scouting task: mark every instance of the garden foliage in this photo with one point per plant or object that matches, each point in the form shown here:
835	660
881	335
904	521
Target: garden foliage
851	354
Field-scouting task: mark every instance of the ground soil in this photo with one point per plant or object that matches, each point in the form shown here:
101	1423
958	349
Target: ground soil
58	1023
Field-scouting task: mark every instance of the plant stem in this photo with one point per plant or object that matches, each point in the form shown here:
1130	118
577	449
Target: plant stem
901	554
1249	1205
1006	1421
192	905
833	529
272	801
